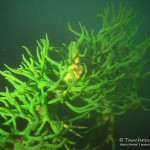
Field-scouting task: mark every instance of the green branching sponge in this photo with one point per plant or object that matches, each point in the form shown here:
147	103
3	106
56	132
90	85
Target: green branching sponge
66	95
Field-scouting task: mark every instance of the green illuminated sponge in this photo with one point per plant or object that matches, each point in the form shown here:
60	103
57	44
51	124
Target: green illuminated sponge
66	95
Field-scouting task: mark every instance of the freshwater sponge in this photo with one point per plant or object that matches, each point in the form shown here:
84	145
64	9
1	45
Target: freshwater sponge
66	97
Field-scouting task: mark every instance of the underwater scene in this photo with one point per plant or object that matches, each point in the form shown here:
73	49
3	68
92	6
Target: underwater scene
74	74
